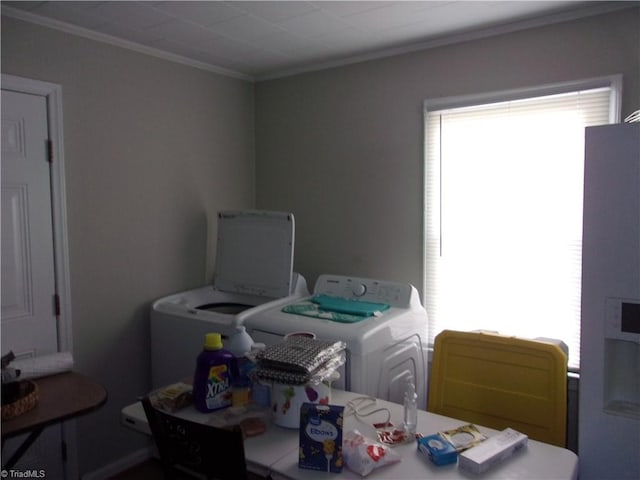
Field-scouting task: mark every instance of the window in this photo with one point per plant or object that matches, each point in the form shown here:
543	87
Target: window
503	208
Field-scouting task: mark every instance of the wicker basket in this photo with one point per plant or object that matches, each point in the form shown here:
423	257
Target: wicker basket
27	399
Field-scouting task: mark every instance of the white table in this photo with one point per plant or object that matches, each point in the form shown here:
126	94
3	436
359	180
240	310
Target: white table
537	461
276	451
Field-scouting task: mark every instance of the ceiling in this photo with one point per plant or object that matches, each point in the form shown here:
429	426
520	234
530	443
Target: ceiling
257	40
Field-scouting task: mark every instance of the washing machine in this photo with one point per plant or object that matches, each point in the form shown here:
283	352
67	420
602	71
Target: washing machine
383	324
253	272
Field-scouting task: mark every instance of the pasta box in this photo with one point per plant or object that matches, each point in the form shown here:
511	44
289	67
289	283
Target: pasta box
321	437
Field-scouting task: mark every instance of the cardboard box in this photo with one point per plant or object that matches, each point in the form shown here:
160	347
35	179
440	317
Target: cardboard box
492	451
439	450
321	437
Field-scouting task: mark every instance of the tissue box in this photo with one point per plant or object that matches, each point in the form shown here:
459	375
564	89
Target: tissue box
439	450
321	437
481	457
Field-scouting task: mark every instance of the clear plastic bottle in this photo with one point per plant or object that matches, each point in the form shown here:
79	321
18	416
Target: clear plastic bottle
260	390
214	374
240	344
410	409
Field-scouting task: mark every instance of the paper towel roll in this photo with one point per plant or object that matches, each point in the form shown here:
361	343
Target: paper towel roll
44	365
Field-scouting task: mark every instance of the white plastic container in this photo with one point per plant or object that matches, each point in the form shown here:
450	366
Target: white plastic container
286	401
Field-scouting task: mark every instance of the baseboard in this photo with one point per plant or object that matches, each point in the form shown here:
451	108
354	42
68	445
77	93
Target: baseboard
120	465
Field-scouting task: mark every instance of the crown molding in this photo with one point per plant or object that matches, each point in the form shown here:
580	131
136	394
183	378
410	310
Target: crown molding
597	8
104	38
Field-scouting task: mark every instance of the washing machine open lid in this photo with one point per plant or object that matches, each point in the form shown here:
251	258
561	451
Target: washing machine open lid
254	254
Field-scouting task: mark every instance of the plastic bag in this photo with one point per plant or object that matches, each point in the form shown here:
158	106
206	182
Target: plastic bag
362	454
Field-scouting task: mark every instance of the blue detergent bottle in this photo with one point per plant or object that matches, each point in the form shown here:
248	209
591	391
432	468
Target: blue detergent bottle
214	374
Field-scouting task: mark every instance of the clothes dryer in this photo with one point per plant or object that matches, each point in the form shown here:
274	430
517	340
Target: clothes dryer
254	271
383	324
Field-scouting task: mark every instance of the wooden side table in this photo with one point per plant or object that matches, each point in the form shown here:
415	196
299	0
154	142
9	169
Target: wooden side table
61	397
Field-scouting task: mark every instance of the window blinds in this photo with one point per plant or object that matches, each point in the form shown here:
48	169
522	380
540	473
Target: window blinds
503	226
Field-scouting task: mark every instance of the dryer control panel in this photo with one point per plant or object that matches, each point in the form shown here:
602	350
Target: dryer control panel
401	295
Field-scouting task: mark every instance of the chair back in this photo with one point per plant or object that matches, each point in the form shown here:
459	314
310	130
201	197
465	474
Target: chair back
499	381
184	445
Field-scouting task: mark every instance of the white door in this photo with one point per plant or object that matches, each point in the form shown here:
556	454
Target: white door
29	320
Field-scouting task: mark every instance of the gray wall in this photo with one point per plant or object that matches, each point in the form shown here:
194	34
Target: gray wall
153	150
343	148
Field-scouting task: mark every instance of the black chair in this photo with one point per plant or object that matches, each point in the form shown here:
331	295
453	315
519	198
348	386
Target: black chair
194	448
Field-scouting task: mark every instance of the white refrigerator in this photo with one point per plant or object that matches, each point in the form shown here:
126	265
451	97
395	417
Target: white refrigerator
609	410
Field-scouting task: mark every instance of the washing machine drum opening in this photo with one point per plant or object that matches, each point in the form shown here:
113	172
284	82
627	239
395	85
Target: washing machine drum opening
225	307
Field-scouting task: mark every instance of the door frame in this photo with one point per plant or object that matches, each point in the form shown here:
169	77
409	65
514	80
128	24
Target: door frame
53	95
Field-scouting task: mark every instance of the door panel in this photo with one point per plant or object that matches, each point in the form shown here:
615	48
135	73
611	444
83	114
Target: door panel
28	321
28	282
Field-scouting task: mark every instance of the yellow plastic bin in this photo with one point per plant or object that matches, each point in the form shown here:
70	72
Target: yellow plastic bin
500	381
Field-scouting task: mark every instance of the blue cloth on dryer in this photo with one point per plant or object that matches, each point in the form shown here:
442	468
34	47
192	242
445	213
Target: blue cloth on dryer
336	309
